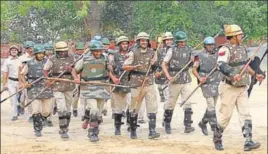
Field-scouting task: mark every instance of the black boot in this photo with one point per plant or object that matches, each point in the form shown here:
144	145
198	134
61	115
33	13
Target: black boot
37	124
152	124
118	123
128	119
203	124
212	119
86	119
188	120
167	120
63	123
75	112
217	135
133	125
247	133
93	131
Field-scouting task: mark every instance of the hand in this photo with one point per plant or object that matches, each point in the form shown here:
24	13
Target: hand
27	85
137	66
259	77
48	83
237	77
116	80
4	88
77	80
158	74
202	80
68	68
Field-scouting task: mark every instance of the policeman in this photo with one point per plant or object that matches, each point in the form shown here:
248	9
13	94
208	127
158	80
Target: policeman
138	62
10	71
160	77
176	58
119	95
79	50
93	67
203	64
49	50
232	57
42	104
62	91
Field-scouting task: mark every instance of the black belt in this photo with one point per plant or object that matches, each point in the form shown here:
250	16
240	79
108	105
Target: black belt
66	73
13	79
230	83
97	78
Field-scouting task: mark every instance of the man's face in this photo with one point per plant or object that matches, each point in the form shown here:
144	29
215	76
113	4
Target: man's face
239	38
143	43
97	53
13	52
124	46
79	51
182	44
63	54
30	51
40	56
209	47
49	53
169	42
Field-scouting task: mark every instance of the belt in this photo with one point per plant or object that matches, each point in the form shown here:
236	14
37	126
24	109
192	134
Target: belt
140	73
230	83
97	78
13	79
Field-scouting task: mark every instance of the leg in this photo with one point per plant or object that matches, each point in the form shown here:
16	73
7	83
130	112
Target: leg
37	117
141	112
12	88
119	99
93	131
100	105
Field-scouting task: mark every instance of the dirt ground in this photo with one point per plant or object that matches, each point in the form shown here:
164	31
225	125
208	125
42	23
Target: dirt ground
18	137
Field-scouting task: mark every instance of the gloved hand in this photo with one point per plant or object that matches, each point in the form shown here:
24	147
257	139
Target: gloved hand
27	85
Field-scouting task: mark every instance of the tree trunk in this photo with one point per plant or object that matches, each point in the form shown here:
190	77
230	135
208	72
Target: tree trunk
94	19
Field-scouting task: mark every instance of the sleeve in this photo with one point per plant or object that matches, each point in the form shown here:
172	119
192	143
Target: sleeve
24	71
222	61
168	56
223	55
130	58
79	65
48	65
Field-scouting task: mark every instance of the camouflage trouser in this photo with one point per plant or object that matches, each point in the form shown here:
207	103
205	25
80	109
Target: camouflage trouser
95	106
53	103
164	92
232	97
119	102
63	100
149	94
76	97
42	106
211	103
174	92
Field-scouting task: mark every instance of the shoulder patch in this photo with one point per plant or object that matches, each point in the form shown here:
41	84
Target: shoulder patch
221	53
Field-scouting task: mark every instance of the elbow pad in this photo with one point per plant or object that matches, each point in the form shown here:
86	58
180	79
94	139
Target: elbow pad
226	69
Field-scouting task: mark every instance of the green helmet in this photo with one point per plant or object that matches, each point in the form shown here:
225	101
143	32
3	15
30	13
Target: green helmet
180	36
38	48
29	44
48	46
95	45
121	39
80	46
105	41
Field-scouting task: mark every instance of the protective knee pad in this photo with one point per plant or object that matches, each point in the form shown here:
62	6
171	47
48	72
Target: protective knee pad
63	123
133	121
188	116
212	119
247	129
117	119
152	120
217	134
168	116
87	114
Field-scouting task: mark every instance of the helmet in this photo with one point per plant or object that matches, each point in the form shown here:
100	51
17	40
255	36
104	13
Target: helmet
29	44
142	35
48	46
61	46
209	40
232	30
105	41
80	45
168	35
180	36
39	48
14	47
121	39
95	45
97	37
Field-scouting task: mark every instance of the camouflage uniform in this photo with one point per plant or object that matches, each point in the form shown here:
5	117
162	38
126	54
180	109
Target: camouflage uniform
176	58
93	69
42	104
143	57
231	60
119	95
62	91
205	63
